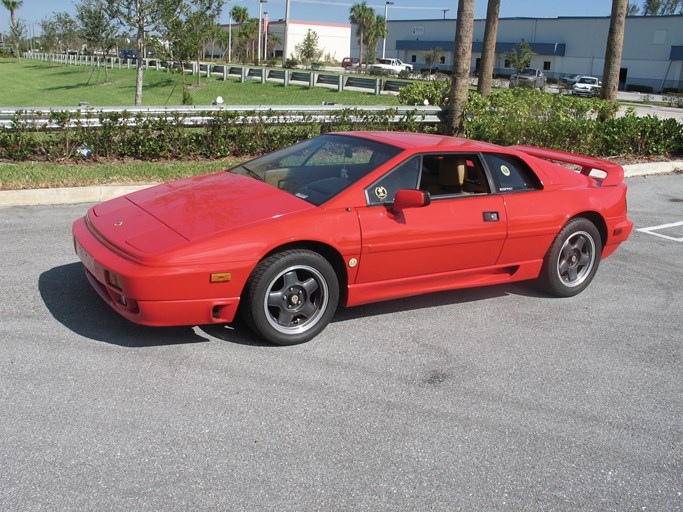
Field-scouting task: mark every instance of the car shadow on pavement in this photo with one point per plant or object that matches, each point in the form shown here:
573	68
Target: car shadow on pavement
437	299
68	296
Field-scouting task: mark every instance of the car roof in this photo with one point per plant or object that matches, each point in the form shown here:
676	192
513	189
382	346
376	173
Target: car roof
424	141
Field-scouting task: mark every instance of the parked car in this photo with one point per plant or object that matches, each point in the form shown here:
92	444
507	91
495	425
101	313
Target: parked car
128	54
394	66
350	62
347	219
588	86
530	77
570	80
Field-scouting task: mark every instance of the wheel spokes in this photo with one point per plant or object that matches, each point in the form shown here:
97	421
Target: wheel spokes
309	309
285	317
276	299
310	285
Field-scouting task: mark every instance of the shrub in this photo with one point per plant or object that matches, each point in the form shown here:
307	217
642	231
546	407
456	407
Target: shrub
435	92
639	88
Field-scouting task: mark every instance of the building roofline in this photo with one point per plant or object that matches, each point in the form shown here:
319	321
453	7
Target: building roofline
530	18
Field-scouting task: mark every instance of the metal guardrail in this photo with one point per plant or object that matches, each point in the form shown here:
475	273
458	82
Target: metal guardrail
312	78
197	116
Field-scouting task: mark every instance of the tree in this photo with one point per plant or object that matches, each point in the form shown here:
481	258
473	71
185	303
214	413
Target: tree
662	7
142	16
247	38
633	9
432	58
462	60
308	51
238	15
615	44
488	54
520	57
363	17
12	6
98	26
59	32
651	7
376	31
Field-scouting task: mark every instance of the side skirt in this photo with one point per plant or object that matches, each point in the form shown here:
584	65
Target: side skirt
417	285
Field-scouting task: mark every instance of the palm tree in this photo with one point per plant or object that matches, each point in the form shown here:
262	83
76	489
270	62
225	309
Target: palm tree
364	17
239	14
615	44
488	53
462	59
373	34
12	6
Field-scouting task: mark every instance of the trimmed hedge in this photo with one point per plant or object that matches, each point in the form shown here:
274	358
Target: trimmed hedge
558	121
507	117
226	134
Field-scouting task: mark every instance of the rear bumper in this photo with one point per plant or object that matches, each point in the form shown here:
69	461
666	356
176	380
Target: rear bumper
153	296
618	234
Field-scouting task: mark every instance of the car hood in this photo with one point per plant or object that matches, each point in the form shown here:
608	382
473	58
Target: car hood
155	220
202	206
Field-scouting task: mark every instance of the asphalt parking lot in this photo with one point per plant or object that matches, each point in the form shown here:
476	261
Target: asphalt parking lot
497	398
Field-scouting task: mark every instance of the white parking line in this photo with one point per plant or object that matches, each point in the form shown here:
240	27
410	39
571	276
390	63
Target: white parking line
652	231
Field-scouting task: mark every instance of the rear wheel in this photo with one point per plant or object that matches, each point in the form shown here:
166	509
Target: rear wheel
291	297
573	258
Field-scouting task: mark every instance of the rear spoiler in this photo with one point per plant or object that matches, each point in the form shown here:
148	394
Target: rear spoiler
614	172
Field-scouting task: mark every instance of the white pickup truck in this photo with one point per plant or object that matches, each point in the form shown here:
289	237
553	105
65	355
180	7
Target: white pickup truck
392	65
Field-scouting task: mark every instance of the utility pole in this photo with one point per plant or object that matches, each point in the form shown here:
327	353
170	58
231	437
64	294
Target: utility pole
387	3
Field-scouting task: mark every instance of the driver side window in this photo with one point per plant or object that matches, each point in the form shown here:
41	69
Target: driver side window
405	176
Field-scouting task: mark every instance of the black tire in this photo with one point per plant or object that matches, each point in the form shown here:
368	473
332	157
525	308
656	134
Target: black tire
290	297
573	259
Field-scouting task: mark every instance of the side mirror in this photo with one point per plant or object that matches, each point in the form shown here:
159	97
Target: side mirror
410	199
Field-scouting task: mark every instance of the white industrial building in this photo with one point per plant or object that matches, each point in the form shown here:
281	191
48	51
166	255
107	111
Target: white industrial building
334	39
652	54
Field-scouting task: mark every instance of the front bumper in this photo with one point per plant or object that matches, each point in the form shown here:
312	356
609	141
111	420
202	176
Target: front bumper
155	296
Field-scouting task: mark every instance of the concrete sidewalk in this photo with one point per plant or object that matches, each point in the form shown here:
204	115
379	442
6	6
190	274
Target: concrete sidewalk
96	194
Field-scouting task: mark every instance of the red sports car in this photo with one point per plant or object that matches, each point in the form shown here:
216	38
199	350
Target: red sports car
351	218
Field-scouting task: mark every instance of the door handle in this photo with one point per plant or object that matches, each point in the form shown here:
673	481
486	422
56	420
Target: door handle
491	217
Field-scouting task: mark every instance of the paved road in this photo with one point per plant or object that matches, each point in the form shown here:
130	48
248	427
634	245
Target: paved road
489	399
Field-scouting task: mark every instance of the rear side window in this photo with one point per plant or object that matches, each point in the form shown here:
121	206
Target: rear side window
510	174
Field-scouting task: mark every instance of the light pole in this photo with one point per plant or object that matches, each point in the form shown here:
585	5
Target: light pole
260	28
284	36
265	36
229	37
444	12
386	20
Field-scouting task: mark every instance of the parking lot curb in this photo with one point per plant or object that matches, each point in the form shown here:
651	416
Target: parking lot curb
68	195
649	168
96	194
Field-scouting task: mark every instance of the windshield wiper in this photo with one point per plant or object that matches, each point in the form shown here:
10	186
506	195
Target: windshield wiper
251	173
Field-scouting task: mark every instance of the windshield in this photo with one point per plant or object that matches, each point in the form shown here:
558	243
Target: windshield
586	80
529	72
318	169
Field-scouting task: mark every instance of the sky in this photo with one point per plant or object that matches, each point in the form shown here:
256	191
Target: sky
337	11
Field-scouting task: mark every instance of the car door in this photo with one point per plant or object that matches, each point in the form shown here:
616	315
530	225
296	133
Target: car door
464	226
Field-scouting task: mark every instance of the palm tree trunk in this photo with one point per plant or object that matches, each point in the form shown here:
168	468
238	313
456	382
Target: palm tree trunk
488	54
461	66
15	33
615	44
360	52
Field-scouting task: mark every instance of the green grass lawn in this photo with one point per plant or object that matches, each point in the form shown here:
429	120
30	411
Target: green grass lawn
25	175
38	84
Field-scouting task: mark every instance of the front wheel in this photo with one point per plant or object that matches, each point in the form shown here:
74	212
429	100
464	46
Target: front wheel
290	297
572	260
